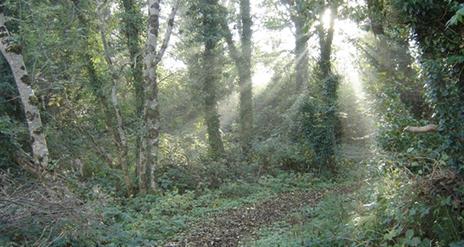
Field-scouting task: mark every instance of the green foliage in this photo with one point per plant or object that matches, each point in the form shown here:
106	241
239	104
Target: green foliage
441	48
457	18
296	131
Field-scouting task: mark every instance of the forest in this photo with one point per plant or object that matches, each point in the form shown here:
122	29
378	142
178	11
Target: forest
231	123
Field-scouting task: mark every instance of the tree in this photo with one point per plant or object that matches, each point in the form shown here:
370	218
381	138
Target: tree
122	144
442	62
242	61
394	59
325	147
300	15
113	117
11	51
151	115
131	27
205	64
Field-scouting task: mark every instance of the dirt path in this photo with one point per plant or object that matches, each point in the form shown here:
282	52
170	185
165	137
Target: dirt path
230	227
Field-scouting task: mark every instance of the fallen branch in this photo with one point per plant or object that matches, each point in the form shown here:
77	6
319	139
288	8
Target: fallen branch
422	129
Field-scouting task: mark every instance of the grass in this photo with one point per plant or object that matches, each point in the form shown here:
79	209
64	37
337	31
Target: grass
154	220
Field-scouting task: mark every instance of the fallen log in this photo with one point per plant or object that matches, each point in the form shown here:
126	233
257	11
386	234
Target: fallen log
422	129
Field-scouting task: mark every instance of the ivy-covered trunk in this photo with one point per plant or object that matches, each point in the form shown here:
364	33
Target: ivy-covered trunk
442	60
132	19
246	88
210	99
325	148
11	51
122	142
242	60
210	76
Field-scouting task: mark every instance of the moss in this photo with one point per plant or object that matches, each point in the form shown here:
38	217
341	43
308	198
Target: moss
38	131
14	48
26	79
30	116
3	32
33	100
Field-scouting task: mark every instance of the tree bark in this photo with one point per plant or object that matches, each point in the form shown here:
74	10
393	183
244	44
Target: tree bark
301	52
422	129
121	133
151	114
131	19
210	79
246	87
326	40
301	23
326	147
96	82
113	117
242	60
12	54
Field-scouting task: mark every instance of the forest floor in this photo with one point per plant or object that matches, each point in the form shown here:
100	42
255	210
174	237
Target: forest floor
236	226
244	225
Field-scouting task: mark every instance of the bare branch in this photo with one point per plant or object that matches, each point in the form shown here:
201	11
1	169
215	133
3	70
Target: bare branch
167	34
422	129
234	53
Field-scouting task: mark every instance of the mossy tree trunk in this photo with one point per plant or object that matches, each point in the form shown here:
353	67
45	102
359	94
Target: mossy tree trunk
108	101
11	51
151	113
132	19
242	60
210	75
326	150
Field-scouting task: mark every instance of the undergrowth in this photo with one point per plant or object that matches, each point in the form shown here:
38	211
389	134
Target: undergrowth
395	206
153	220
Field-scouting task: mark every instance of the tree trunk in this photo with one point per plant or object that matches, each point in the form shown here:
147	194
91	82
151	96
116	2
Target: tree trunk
210	79
12	54
326	40
151	114
301	50
113	117
123	147
246	87
242	60
131	19
96	82
329	94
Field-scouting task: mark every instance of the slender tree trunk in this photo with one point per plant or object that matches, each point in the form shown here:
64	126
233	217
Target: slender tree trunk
131	19
96	82
246	88
151	121
210	79
151	114
330	84
12	54
121	133
113	117
301	51
242	60
326	40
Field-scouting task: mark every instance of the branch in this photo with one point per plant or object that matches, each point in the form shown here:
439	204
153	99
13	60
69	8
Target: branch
422	129
234	53
167	34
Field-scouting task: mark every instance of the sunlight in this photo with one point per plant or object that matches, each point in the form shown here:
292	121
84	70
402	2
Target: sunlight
261	77
354	101
326	18
347	55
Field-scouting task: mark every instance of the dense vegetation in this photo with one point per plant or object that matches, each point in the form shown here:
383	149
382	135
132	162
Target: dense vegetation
232	122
